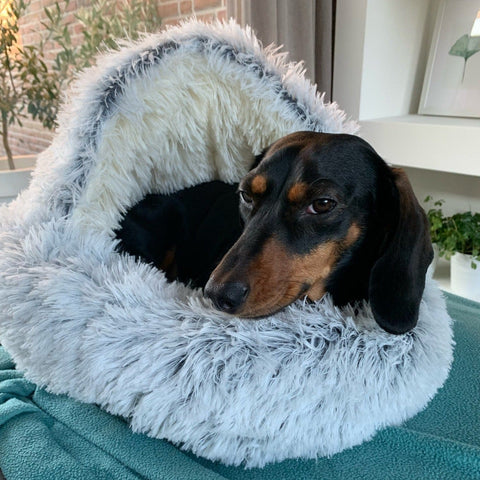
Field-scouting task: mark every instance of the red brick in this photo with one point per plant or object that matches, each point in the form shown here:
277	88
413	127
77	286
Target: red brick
77	30
34	5
170	21
186	7
206	17
203	4
69	18
222	14
168	10
72	6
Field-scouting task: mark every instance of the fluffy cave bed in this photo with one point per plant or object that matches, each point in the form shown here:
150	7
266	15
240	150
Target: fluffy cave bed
190	105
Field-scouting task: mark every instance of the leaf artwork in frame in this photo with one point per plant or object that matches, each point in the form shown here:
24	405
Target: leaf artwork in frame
452	79
465	47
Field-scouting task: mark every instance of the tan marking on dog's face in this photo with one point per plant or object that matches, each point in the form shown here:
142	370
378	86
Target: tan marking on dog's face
278	278
352	235
258	185
317	291
297	192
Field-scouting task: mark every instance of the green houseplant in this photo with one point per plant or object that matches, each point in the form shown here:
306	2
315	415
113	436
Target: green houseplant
27	86
457	238
31	85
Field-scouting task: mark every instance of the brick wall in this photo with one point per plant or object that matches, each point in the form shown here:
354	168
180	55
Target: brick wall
32	137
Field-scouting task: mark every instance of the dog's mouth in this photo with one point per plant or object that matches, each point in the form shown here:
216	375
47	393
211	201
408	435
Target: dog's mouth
261	316
270	281
228	297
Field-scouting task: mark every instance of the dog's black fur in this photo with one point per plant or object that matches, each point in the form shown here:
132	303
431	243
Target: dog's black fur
369	237
186	233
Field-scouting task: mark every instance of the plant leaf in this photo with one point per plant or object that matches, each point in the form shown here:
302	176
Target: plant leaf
465	46
473	45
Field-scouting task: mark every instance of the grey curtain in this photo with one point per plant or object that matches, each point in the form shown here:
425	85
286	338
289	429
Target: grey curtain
306	28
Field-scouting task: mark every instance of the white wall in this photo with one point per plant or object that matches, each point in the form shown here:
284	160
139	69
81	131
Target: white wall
396	34
381	51
460	192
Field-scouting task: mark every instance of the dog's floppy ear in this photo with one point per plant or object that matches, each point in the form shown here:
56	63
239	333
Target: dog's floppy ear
397	278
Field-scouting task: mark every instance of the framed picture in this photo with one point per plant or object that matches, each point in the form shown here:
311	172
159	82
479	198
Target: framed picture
452	80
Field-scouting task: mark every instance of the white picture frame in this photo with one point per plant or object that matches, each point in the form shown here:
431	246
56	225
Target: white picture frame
452	81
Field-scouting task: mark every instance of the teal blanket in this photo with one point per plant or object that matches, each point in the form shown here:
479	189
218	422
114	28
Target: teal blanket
50	437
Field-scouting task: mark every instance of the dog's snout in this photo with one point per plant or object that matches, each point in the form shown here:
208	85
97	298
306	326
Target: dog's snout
227	297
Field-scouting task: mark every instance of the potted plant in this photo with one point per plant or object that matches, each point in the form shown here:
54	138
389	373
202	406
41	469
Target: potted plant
457	238
31	86
25	89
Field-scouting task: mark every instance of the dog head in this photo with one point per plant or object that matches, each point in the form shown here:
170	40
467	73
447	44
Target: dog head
324	213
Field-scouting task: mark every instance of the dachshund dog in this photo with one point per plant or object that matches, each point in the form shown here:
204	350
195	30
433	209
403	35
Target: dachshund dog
322	213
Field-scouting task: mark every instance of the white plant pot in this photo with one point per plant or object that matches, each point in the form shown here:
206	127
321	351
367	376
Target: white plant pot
433	266
465	280
12	182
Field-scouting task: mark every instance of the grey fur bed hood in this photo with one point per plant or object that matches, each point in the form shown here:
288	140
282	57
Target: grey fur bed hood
192	104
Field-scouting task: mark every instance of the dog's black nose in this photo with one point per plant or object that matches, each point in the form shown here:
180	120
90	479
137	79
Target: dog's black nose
227	297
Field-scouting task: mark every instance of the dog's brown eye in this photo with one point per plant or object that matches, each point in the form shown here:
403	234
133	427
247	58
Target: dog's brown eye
245	197
321	205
